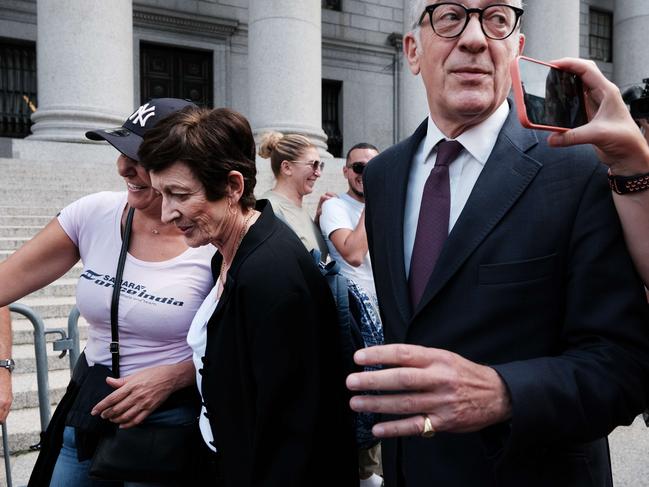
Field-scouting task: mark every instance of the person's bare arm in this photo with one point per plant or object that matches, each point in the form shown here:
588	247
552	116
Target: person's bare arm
6	396
351	244
42	260
620	145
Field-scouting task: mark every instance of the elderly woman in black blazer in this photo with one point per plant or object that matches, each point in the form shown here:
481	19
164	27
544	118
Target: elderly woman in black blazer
265	341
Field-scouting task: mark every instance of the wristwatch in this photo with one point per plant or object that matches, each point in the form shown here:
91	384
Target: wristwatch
628	184
8	364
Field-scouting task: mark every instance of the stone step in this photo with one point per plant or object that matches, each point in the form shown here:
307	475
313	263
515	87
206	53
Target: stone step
74	272
23	330
28	211
23	430
7	231
24	355
21	468
52	199
25	388
38	221
65	286
13	243
50	307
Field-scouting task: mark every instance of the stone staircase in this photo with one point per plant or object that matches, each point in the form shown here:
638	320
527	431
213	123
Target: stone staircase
31	194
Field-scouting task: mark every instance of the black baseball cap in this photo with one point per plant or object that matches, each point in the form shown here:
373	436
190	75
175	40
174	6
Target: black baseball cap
128	137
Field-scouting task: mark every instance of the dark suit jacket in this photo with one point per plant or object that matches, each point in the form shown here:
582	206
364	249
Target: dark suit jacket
273	383
535	280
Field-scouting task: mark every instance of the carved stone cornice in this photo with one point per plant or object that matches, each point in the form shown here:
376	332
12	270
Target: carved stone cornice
193	24
18	10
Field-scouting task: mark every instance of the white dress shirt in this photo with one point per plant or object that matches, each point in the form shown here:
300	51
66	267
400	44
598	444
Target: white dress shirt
478	142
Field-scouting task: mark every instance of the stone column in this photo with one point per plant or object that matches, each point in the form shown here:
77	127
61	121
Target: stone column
85	67
285	68
630	55
551	29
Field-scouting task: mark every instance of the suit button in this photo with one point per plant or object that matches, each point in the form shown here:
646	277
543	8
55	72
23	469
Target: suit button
213	443
207	415
200	371
206	361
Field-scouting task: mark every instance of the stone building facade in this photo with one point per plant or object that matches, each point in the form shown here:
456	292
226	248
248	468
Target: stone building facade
332	70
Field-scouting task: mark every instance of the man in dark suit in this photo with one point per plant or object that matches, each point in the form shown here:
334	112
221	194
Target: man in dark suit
528	341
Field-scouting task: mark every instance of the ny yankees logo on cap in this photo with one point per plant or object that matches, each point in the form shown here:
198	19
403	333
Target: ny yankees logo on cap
142	114
128	137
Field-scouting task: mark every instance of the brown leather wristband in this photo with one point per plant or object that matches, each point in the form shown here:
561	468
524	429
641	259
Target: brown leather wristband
628	184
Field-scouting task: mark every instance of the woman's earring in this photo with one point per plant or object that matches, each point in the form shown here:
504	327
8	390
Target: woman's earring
231	208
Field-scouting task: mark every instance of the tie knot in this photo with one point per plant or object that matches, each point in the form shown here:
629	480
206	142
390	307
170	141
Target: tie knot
447	151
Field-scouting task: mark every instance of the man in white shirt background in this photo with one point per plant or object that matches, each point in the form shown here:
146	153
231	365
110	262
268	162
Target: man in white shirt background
343	221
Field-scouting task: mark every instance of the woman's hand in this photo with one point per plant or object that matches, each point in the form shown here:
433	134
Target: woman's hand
612	131
6	396
138	395
324	197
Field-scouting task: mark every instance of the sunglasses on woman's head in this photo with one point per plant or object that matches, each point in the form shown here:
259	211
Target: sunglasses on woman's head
358	167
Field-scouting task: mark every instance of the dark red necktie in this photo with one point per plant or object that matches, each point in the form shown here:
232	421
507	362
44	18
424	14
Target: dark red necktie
432	226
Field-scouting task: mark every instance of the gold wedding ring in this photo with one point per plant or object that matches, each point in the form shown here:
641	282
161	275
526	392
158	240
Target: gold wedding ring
429	431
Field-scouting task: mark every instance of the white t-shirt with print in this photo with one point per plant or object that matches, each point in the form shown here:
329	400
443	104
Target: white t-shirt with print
158	300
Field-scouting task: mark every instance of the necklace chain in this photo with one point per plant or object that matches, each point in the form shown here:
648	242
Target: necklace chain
236	247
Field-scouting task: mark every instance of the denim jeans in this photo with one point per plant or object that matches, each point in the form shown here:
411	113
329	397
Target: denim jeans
70	472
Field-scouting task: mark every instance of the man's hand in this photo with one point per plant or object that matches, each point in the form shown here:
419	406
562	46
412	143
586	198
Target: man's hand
324	197
611	129
140	394
456	394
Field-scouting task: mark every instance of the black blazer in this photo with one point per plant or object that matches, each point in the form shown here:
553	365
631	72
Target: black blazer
535	280
273	383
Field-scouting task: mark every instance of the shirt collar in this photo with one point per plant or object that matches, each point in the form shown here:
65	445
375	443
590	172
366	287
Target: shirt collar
479	140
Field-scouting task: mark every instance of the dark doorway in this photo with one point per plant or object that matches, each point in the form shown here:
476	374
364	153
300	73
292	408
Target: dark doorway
171	72
17	87
331	110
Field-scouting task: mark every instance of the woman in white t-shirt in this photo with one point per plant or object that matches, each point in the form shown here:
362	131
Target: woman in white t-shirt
164	283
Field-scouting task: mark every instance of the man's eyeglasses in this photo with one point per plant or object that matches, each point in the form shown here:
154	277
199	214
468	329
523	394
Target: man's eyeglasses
358	167
315	165
449	19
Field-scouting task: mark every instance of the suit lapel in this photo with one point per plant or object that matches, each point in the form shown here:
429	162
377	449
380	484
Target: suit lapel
506	174
396	185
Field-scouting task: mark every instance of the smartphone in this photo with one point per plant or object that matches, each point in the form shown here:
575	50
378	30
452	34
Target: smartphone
546	97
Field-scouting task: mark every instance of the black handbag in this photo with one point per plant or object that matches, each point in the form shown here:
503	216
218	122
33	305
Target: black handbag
147	452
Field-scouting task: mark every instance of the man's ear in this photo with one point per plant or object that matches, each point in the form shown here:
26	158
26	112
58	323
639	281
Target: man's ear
411	52
521	43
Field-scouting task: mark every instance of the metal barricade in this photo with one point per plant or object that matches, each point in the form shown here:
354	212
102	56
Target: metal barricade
67	342
6	453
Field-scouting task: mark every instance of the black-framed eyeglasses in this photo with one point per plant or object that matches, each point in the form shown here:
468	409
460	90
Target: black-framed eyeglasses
315	165
358	167
449	19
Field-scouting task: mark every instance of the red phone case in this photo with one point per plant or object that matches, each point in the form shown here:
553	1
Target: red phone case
518	96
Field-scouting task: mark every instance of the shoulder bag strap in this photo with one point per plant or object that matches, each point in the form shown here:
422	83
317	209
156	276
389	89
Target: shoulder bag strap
114	305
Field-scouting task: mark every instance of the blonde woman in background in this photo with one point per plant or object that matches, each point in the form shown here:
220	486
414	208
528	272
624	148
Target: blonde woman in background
296	165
